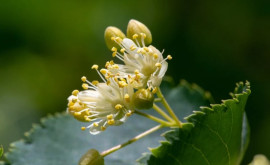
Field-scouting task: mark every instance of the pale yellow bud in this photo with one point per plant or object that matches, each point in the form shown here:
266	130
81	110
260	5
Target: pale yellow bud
111	34
137	30
91	157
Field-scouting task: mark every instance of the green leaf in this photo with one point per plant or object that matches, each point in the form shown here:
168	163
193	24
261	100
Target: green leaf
58	139
216	135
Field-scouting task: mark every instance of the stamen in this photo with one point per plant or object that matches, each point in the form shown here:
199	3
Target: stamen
136	71
95	82
155	55
95	67
111	122
127	98
83	128
109	117
103	128
85	86
114	49
83	79
75	92
169	57
122	50
103	71
143	36
95	124
118	106
158	65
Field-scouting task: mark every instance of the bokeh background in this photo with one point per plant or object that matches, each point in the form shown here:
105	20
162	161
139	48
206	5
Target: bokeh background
47	45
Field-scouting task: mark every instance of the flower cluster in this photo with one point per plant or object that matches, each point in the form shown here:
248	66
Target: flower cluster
124	87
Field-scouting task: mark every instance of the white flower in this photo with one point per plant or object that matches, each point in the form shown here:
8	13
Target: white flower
103	104
145	65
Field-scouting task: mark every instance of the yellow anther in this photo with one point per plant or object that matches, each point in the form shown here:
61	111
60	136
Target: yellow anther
95	82
122	50
108	82
127	98
146	49
95	124
75	92
111	62
114	54
169	57
85	86
86	118
143	51
129	114
114	49
122	84
135	36
95	67
70	104
118	106
109	117
143	35
118	39
154	90
77	113
158	65
83	79
111	122
113	38
155	55
139	50
103	71
74	100
115	66
83	128
102	128
132	47
137	77
136	71
107	64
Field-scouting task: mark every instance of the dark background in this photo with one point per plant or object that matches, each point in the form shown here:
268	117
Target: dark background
47	45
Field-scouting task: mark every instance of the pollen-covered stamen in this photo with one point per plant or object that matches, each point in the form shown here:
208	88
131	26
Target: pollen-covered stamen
158	65
96	68
127	98
83	128
143	36
135	36
169	57
118	106
111	122
75	92
86	86
95	124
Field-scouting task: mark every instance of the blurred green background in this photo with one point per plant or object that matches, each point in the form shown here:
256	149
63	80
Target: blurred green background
47	45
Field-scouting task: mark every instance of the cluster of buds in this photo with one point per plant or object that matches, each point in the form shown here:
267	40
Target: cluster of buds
124	87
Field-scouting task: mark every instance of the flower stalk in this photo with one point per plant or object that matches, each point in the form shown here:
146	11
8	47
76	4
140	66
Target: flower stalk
115	148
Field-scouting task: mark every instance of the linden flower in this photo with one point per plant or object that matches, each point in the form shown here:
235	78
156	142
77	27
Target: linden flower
145	65
106	104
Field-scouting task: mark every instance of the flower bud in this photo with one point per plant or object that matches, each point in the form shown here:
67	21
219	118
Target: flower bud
113	32
143	99
137	28
91	157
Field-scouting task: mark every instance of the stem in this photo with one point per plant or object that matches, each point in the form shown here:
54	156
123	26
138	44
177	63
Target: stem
169	109
165	123
161	112
115	148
